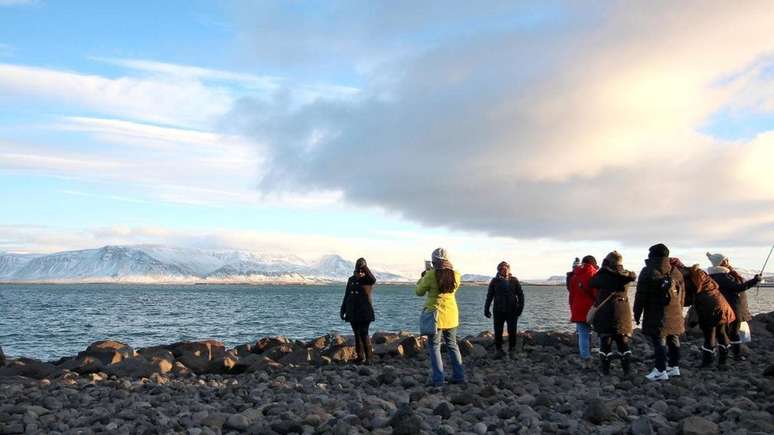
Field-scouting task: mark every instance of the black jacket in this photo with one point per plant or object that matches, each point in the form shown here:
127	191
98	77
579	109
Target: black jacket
357	306
507	295
615	317
657	279
735	293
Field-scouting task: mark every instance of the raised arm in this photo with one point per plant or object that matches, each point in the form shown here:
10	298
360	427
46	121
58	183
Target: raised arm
369	278
423	285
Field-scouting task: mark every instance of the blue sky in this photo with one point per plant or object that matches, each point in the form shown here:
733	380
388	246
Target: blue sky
533	132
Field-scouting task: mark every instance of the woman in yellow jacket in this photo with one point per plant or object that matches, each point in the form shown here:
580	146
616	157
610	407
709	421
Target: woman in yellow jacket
440	285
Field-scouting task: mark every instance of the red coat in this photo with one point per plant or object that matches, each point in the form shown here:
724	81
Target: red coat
582	296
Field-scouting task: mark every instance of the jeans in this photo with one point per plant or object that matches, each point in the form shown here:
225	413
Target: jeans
584	339
499	321
449	337
666	347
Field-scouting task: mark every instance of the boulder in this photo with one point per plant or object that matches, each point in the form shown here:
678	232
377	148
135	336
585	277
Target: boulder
181	370
412	346
108	351
132	368
393	349
209	349
195	362
597	412
269	342
406	422
278	352
244	349
254	363
301	356
30	368
160	358
341	354
82	365
696	425
475	350
382	337
225	364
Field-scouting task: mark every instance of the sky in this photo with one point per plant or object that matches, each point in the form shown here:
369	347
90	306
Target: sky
531	132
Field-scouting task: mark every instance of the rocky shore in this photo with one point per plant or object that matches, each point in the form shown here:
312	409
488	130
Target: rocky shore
283	386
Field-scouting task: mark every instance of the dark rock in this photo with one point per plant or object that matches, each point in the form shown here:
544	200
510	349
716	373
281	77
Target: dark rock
696	425
406	422
30	368
543	400
208	349
2	357
412	346
133	368
757	421
286	427
461	399
108	351
266	343
641	426
387	377
597	412
382	337
301	356
769	371
83	365
278	352
416	396
444	409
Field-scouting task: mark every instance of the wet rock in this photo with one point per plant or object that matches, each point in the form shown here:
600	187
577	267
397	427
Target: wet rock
696	425
597	412
406	422
444	409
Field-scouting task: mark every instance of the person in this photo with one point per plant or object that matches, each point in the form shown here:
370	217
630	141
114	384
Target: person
734	289
357	309
659	303
439	284
712	311
581	298
613	319
505	290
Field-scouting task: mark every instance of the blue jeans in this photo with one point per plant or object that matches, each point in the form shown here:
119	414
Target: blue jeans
584	339
436	361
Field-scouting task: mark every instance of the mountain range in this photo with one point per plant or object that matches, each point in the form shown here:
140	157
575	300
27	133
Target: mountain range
163	264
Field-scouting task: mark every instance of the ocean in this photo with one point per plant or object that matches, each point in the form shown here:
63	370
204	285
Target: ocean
51	321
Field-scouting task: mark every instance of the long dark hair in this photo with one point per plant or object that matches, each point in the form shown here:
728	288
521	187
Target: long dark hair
446	280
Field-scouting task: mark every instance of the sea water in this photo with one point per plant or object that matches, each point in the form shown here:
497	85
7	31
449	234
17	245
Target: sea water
51	321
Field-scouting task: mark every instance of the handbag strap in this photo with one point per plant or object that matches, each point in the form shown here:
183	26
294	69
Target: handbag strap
606	299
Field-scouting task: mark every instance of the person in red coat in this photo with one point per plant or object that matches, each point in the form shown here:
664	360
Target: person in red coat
581	298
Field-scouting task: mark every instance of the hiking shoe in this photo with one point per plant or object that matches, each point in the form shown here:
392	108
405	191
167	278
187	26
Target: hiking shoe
657	375
673	371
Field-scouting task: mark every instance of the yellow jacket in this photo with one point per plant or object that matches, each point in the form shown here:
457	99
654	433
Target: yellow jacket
445	303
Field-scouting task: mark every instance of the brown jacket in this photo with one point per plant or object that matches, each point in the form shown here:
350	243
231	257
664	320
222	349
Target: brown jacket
709	303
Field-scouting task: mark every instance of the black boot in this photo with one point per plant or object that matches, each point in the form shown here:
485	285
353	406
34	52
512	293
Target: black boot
736	349
707	355
605	363
626	363
369	353
722	357
359	350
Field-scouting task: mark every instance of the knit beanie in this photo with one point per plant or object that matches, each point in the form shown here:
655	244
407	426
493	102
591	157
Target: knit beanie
440	254
614	259
716	259
658	251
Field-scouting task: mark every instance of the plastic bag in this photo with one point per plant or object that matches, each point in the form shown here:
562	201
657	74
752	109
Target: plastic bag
744	332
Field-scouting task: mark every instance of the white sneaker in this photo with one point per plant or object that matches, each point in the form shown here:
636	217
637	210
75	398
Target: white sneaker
657	375
673	371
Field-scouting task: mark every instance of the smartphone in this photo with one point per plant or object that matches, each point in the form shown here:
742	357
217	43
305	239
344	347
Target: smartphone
428	265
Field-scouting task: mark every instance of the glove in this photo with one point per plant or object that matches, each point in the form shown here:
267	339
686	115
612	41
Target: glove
487	314
757	278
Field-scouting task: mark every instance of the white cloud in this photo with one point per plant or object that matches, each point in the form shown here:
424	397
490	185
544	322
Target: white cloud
589	131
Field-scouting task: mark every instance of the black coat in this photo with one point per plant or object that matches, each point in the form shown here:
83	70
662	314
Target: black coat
735	293
357	306
660	319
507	295
615	316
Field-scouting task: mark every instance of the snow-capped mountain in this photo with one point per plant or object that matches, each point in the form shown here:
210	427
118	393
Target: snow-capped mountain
153	263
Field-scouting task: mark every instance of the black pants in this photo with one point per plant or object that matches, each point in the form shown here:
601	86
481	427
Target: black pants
362	340
714	335
606	345
667	347
499	321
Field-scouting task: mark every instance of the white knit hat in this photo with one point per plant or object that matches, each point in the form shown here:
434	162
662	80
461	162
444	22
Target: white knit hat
716	259
440	254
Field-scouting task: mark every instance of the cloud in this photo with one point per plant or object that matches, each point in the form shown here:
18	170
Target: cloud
582	125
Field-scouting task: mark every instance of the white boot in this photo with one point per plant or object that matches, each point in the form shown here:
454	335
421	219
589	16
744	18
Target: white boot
657	375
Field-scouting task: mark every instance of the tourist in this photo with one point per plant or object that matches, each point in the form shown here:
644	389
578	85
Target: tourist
440	283
659	303
613	318
505	290
581	298
357	309
712	311
734	289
